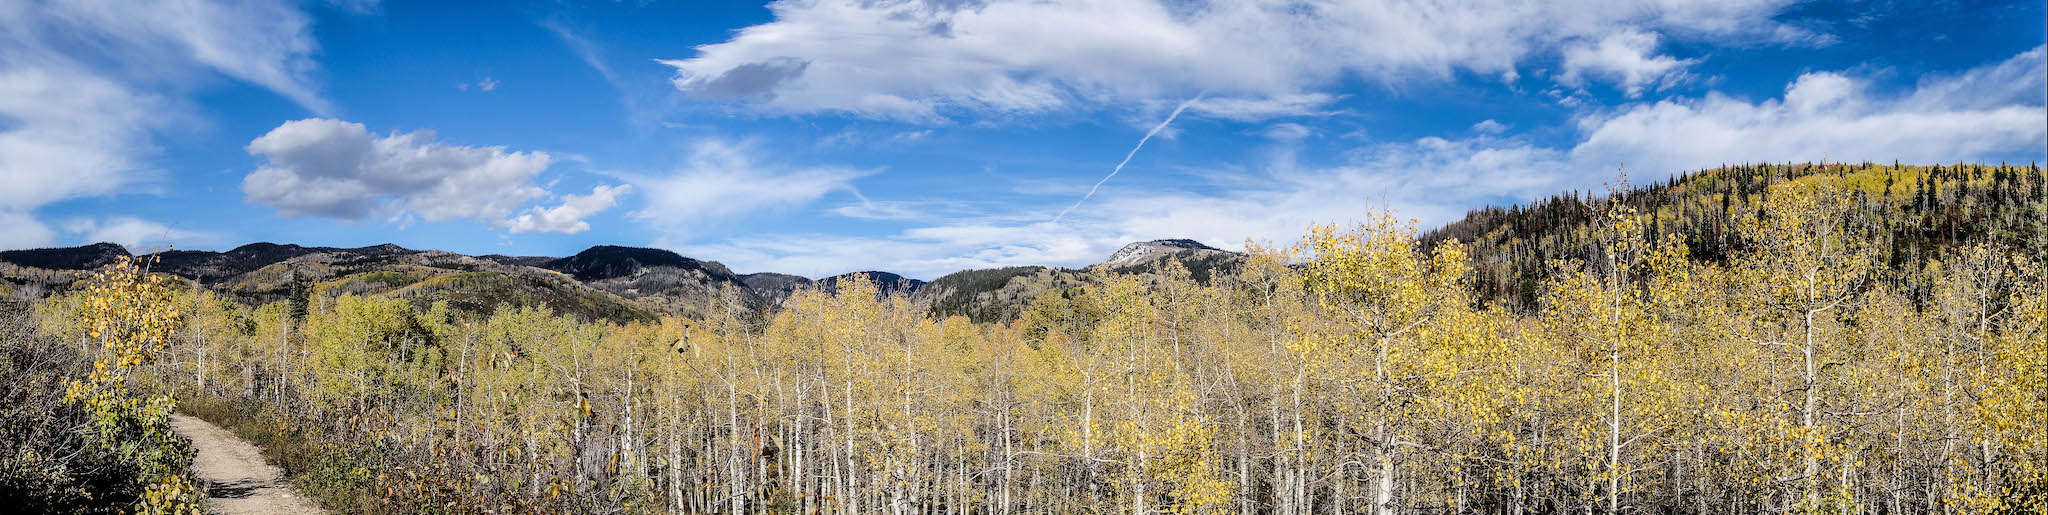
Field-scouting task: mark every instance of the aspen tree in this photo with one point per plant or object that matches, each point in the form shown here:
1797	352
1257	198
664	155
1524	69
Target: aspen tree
1375	279
133	317
1804	268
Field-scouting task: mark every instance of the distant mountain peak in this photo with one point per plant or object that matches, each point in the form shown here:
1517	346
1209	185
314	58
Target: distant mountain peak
1145	251
383	248
613	261
66	258
886	283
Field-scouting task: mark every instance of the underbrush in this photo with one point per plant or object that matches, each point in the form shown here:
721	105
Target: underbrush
55	458
348	472
330	473
47	466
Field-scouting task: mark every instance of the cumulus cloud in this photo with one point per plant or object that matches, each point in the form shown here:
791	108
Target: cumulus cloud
1835	116
23	231
920	61
83	84
1628	58
722	180
1436	179
567	218
338	169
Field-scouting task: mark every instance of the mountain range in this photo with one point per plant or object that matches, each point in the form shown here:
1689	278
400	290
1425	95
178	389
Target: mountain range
602	282
1912	218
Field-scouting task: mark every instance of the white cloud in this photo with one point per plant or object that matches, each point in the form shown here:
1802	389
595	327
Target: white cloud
84	84
1628	58
921	61
1833	116
67	133
338	169
487	85
881	210
853	136
356	6
2018	80
138	235
1436	180
1251	109
263	42
1489	126
1287	132
911	136
925	253
1433	178
723	180
23	231
567	218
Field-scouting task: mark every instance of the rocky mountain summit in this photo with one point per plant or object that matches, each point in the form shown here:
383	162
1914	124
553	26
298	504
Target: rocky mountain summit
1148	251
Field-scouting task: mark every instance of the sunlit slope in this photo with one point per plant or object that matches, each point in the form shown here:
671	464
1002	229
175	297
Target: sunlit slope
1909	214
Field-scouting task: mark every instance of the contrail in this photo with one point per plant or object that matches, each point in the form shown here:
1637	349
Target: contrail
1127	157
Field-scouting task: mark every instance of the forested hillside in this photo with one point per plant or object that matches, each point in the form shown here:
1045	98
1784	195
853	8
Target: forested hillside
1747	339
1909	216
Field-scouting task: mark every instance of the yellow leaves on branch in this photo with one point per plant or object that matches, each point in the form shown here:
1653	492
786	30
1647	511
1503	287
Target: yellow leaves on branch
132	315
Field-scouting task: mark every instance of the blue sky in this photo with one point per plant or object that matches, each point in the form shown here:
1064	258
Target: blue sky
926	137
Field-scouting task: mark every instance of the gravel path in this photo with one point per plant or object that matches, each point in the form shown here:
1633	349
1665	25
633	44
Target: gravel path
237	479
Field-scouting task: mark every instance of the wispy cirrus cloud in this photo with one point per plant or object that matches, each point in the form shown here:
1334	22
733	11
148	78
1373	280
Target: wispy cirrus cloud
85	84
723	180
139	235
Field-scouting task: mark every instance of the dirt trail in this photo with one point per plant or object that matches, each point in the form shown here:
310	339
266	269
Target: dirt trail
237	479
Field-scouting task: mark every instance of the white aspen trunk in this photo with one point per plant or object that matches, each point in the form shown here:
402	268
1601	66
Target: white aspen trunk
1282	480
797	452
1009	459
903	499
1808	412
1614	430
1299	488
839	485
1136	418
1244	465
1383	498
675	457
852	494
1138	483
626	441
1088	434
199	370
736	475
